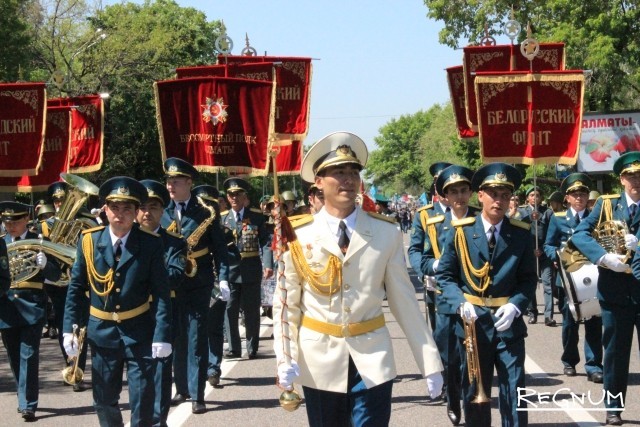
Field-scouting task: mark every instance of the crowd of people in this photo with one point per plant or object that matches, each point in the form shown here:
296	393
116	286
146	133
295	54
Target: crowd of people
340	265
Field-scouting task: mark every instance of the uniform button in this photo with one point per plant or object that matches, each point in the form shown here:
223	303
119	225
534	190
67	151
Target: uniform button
15	295
117	289
347	309
491	267
117	274
347	287
118	307
492	311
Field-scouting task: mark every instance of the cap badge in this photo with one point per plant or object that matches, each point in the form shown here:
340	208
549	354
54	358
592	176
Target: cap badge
344	151
124	191
578	184
59	193
172	168
454	177
500	177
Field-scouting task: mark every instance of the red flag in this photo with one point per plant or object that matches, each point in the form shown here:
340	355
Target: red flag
530	118
367	202
23	110
55	156
455	78
216	124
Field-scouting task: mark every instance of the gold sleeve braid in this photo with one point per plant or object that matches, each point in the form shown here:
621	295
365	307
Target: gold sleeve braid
481	274
333	270
106	280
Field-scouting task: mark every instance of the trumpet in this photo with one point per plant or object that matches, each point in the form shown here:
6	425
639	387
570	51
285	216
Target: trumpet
73	375
473	361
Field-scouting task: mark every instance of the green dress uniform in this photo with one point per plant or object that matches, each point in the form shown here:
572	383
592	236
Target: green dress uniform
123	323
22	316
508	276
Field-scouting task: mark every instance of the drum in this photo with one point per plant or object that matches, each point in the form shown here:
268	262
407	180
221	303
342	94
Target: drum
581	288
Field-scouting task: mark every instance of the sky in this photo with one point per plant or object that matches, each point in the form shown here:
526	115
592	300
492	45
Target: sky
373	60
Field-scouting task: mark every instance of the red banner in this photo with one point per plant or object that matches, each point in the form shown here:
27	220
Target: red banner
293	93
22	128
289	158
530	118
86	153
455	78
504	58
54	159
216	124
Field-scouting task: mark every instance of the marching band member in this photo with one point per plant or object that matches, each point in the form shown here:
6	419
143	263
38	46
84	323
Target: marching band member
561	227
338	272
618	291
22	310
118	265
188	217
487	270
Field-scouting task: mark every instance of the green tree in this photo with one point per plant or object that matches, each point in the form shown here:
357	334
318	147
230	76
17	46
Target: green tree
14	39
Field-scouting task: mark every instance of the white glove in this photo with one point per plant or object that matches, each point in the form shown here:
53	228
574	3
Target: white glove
160	350
70	344
435	265
287	374
434	384
612	262
468	311
630	242
41	260
225	292
430	283
506	314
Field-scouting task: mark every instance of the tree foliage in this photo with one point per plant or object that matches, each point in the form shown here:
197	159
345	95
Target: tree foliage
14	39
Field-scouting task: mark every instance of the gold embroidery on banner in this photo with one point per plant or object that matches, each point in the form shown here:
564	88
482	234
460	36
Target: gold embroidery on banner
89	110
59	119
298	68
458	81
478	59
568	88
29	97
490	91
549	56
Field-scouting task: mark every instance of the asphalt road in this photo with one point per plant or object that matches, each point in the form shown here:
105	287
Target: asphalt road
248	395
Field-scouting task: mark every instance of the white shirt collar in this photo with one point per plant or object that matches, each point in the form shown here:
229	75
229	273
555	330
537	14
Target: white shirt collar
334	223
114	238
574	212
454	217
487	225
629	201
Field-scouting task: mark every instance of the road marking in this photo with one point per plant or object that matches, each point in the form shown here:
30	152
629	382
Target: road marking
574	410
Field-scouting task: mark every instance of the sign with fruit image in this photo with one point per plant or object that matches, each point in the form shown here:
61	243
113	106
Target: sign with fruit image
605	137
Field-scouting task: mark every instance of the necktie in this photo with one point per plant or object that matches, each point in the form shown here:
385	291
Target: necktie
183	209
343	239
118	251
17	238
633	210
238	217
492	240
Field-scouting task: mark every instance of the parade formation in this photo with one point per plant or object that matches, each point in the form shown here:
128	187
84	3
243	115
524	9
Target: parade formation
148	283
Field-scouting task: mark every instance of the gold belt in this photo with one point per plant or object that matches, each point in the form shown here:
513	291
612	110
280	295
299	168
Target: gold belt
486	301
346	330
26	285
173	295
249	254
201	252
119	316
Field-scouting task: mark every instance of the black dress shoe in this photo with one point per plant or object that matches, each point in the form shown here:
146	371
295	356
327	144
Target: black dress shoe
252	356
214	379
454	415
595	377
549	322
28	415
533	319
178	399
232	355
198	408
79	387
570	371
613	420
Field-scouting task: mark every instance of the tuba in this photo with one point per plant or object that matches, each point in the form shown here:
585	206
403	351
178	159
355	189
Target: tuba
473	361
63	237
73	375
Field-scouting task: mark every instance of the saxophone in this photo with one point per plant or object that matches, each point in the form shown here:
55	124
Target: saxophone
192	241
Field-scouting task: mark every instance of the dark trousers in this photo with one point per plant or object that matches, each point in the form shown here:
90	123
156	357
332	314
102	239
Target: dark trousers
570	338
190	366
450	353
430	308
107	366
358	407
508	359
215	329
23	348
619	322
163	380
247	297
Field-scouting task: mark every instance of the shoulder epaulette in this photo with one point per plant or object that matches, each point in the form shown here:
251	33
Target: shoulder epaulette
293	218
464	221
153	233
174	234
561	213
429	206
256	210
610	196
302	220
91	230
224	212
382	217
435	219
520	224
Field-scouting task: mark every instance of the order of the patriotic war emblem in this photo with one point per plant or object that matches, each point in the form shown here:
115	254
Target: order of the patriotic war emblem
214	111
